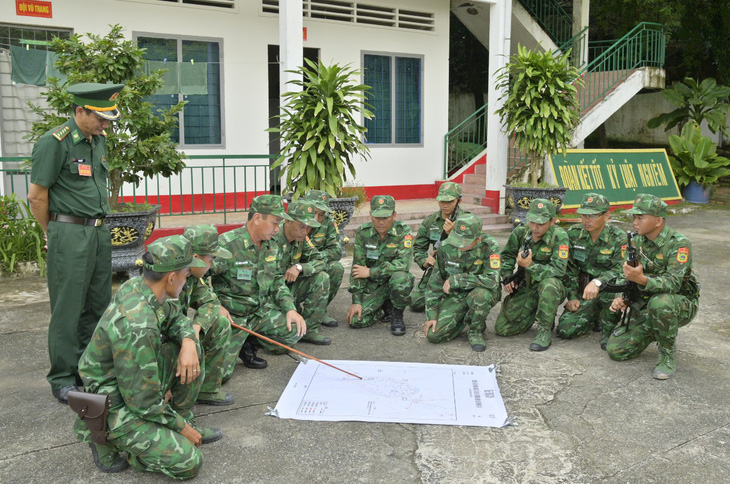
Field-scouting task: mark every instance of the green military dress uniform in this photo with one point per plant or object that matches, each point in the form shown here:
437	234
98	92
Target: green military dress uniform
474	281
389	260
600	260
75	171
670	298
542	291
132	357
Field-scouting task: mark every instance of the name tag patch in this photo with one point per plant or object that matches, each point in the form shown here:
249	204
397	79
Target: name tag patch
244	274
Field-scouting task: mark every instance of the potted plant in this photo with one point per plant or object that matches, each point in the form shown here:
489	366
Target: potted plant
696	164
138	145
540	110
320	132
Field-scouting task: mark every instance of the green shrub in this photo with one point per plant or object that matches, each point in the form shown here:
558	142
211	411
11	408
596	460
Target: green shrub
22	237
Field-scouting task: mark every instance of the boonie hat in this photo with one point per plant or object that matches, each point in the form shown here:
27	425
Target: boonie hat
467	228
269	204
593	203
448	192
172	254
647	204
304	211
382	206
320	199
204	239
541	211
97	97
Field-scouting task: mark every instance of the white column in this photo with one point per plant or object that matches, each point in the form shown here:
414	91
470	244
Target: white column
291	48
581	9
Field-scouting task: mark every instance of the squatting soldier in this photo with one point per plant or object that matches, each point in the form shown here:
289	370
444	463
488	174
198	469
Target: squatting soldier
308	282
669	291
464	285
595	258
68	196
542	290
142	344
326	239
380	267
429	234
252	287
212	322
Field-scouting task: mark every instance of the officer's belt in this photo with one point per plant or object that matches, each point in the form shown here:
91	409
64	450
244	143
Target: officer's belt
70	219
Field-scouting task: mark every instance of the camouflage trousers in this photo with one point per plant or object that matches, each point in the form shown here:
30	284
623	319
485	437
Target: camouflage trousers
215	344
310	296
418	296
539	302
397	288
268	320
658	320
336	272
574	324
151	447
463	309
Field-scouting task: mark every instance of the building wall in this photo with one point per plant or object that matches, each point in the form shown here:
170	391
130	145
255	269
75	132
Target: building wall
246	32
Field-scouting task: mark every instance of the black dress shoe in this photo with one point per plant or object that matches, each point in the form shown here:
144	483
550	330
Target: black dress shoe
248	354
61	394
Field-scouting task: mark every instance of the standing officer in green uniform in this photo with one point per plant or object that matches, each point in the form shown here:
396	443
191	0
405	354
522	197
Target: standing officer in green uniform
145	356
68	196
326	239
542	290
596	257
669	292
429	234
464	284
380	267
251	285
308	282
212	322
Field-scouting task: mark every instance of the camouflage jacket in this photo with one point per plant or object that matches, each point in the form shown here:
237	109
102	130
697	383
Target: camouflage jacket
465	271
251	277
198	295
667	263
292	253
326	240
384	257
601	259
121	356
428	234
549	255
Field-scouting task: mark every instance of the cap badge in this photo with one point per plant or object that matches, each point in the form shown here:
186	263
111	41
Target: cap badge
539	205
114	96
463	227
590	199
381	201
324	197
309	209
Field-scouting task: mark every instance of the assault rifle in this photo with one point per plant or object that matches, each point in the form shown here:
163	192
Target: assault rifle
444	234
630	290
519	275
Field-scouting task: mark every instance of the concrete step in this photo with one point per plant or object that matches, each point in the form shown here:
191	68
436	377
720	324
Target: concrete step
492	222
475	208
475	179
477	190
480	170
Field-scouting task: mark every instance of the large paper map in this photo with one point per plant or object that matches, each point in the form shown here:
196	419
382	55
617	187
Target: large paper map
394	392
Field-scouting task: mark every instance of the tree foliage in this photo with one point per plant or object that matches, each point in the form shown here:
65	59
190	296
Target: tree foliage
696	102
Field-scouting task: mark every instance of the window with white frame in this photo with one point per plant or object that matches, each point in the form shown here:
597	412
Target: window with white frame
396	98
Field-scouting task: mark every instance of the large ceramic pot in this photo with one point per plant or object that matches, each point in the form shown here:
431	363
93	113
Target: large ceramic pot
129	230
696	193
342	210
519	198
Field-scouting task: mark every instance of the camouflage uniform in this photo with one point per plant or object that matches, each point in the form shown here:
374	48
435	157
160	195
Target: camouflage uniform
389	260
670	298
473	277
132	357
600	260
542	291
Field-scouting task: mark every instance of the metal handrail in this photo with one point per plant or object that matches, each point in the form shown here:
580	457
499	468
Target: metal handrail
465	140
552	17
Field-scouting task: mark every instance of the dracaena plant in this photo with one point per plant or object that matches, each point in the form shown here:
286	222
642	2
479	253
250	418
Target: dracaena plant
696	102
695	158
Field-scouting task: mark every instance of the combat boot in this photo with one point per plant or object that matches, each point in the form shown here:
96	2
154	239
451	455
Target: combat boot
209	434
542	340
248	354
476	340
107	459
665	366
397	326
329	322
387	308
313	337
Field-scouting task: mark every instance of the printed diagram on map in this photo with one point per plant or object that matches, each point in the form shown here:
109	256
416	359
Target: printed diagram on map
394	392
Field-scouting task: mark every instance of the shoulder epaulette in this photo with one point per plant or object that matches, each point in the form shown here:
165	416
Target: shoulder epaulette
61	132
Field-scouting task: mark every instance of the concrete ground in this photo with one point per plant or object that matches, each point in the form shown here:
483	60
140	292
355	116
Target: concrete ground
581	418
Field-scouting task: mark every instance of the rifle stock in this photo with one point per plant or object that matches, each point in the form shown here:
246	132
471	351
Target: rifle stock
519	275
630	289
444	234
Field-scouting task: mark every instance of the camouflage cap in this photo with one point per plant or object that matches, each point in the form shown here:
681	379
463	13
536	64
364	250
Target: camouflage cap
646	204
593	203
269	204
541	211
304	211
172	254
382	206
448	192
97	97
204	239
467	229
320	199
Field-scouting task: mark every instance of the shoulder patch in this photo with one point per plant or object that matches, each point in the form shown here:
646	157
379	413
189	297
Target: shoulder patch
408	241
683	255
495	262
309	242
563	251
61	132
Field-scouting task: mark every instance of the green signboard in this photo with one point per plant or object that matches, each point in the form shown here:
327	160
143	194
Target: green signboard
620	175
